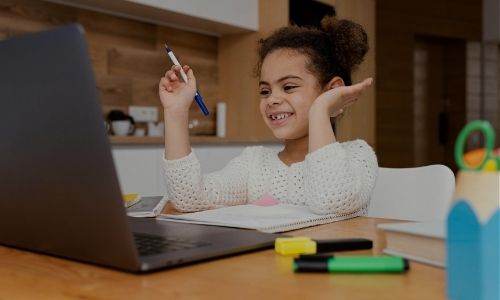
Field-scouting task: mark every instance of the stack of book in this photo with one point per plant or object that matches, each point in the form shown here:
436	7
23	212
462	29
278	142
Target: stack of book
419	241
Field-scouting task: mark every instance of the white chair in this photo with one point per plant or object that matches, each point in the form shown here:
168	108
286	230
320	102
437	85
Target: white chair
416	194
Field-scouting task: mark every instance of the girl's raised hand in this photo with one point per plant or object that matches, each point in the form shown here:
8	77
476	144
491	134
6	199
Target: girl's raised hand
175	94
336	100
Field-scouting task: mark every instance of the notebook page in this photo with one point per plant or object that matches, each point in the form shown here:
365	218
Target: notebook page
276	218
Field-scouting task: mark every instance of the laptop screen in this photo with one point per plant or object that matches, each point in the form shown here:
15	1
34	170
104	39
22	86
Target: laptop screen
60	192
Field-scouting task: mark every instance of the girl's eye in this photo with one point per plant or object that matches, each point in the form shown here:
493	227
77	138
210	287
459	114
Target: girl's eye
289	87
264	92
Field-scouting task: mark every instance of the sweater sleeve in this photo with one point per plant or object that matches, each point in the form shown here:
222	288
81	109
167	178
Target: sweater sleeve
339	178
189	190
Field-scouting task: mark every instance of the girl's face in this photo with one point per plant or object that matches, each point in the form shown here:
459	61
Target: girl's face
287	90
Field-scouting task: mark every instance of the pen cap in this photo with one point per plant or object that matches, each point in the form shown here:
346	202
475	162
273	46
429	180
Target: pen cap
300	265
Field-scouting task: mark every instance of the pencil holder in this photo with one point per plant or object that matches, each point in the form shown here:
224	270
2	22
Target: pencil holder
473	244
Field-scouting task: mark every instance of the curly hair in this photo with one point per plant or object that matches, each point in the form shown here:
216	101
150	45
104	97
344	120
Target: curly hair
336	49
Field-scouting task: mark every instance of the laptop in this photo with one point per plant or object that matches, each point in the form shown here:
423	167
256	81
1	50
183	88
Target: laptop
59	189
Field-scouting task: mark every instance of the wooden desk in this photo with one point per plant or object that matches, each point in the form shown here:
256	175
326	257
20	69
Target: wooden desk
258	275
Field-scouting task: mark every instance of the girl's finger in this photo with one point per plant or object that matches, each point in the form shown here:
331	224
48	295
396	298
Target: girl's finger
163	82
190	76
354	91
168	72
363	84
172	76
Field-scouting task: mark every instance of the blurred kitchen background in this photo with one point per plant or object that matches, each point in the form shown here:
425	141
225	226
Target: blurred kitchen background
435	63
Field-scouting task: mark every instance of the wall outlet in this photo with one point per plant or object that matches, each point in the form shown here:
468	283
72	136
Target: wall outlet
143	113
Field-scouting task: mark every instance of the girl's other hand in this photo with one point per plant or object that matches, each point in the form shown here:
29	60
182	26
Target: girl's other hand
336	100
176	96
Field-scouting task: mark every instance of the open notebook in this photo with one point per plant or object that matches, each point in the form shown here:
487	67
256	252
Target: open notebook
277	218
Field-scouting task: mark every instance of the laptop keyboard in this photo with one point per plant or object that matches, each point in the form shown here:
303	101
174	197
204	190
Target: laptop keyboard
153	244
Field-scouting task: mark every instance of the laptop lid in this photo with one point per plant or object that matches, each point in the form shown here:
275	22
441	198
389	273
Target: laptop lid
59	190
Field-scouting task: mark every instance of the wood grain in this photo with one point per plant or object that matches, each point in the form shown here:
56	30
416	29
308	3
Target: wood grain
26	16
145	91
98	56
114	90
117	31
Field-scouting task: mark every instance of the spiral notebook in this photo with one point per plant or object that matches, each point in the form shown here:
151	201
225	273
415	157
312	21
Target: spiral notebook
271	219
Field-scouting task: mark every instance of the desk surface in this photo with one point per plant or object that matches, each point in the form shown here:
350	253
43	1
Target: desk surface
25	275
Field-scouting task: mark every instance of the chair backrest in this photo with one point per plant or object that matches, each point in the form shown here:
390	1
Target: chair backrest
416	194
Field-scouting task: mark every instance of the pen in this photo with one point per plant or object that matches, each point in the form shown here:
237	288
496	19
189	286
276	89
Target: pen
197	96
351	264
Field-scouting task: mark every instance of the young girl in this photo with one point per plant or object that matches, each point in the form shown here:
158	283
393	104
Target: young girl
305	78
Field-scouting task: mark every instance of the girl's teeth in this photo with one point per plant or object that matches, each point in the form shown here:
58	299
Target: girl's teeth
279	117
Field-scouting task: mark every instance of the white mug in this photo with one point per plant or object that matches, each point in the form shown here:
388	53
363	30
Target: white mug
122	127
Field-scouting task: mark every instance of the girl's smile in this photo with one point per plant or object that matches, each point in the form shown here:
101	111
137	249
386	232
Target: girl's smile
279	118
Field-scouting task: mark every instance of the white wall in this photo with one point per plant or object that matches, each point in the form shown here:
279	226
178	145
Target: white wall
139	167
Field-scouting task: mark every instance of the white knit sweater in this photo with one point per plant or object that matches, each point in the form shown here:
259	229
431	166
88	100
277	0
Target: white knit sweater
337	178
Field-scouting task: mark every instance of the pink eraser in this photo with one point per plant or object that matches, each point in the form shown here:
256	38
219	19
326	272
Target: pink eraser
266	200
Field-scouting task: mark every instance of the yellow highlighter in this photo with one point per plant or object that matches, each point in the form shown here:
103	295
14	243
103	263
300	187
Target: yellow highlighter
294	245
306	245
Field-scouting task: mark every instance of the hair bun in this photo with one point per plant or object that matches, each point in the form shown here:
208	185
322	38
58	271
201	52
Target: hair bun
349	40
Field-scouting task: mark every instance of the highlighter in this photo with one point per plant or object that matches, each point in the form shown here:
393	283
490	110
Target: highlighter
305	245
294	245
351	264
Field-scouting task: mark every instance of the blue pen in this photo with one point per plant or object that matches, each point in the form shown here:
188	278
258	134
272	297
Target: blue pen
197	96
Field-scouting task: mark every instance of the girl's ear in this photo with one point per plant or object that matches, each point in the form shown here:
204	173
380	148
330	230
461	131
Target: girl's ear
334	83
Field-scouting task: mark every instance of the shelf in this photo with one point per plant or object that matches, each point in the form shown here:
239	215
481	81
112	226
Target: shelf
199	139
214	17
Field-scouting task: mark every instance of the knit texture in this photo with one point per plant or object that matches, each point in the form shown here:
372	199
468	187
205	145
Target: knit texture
335	179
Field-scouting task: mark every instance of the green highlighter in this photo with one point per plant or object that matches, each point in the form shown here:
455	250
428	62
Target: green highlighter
350	264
